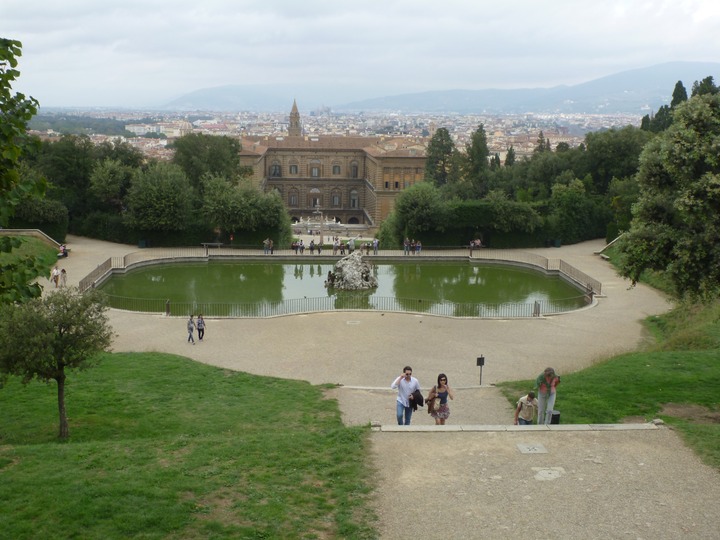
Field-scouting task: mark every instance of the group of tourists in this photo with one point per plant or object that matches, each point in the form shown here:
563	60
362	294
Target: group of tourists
532	406
412	247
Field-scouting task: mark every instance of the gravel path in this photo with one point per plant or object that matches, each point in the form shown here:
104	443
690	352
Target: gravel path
443	484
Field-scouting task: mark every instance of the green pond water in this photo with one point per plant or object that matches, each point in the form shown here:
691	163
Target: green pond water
415	286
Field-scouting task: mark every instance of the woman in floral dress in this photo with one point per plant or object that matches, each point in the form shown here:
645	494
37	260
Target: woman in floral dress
442	391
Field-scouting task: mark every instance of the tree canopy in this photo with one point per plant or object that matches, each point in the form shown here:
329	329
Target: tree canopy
676	222
160	199
198	155
17	277
45	336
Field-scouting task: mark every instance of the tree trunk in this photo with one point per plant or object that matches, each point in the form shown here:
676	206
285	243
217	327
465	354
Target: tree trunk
64	429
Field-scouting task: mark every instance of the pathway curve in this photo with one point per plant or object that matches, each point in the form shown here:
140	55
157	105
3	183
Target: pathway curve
595	484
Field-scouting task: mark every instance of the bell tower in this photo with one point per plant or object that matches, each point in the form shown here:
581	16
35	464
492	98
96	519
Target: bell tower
294	129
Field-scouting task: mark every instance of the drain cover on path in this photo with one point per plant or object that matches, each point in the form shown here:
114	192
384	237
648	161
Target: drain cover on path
531	448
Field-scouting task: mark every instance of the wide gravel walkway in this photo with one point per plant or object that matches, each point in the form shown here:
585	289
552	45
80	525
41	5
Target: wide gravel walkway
476	483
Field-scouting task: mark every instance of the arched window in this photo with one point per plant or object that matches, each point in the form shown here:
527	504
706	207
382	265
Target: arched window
315	168
354	199
293	168
336	169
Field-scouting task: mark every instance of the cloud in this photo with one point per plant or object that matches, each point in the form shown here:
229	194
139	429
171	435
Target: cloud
114	52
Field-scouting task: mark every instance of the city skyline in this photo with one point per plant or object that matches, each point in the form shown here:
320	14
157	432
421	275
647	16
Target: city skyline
82	53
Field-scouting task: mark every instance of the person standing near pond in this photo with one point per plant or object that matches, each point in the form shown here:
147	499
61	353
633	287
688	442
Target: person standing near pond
200	327
443	391
525	409
546	384
191	329
406	384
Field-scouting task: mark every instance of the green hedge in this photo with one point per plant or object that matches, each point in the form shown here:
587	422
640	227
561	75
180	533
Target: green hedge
47	215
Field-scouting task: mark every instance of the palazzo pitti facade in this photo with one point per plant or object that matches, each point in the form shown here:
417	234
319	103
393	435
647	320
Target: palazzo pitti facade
354	180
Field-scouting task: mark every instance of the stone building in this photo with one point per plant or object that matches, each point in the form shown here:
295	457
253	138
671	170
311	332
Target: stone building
351	179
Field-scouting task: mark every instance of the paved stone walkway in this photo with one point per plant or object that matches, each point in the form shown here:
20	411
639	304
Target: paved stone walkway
595	483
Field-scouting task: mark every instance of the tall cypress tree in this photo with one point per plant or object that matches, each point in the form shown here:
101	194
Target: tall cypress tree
439	158
679	95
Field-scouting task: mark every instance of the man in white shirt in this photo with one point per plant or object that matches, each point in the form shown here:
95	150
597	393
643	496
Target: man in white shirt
406	384
525	410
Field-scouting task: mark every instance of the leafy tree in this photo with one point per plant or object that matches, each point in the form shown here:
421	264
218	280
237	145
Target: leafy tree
48	215
575	216
198	154
439	158
419	209
68	164
45	336
676	223
160	199
243	208
705	87
109	183
507	215
16	277
614	154
679	95
623	193
120	151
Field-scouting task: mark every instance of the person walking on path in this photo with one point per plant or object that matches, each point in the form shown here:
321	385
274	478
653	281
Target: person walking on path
191	329
442	391
55	276
63	278
525	410
200	327
406	384
546	384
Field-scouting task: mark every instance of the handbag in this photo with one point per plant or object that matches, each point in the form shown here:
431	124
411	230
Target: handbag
433	404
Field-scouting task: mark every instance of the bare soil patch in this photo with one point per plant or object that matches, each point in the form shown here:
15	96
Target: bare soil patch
694	413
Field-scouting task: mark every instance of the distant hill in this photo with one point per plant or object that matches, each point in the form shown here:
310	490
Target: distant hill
637	91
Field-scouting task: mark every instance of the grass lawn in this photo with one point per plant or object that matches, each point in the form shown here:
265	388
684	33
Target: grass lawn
163	447
677	380
32	246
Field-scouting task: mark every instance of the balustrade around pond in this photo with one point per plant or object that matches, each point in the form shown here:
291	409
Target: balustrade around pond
585	283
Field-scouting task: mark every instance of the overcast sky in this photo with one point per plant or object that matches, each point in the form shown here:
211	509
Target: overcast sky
137	53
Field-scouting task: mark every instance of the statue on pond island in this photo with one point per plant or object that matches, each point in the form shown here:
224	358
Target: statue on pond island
352	274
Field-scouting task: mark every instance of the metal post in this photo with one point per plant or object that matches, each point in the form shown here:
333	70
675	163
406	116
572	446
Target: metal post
481	363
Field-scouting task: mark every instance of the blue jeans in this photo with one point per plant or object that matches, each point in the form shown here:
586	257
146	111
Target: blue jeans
402	410
523	422
546	404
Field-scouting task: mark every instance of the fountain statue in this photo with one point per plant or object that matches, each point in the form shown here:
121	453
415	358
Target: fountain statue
352	274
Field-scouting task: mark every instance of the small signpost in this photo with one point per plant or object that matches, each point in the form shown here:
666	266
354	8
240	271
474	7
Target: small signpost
481	363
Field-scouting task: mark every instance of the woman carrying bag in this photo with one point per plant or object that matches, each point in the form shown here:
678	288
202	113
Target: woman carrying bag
438	400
